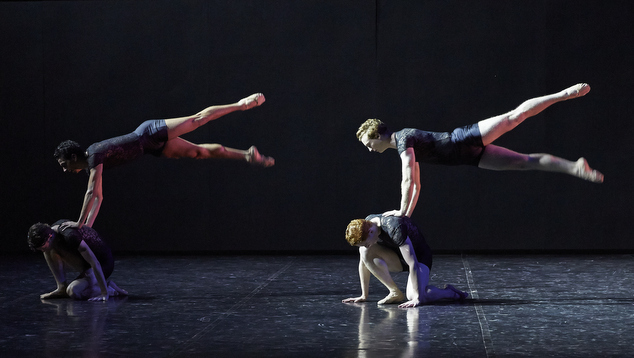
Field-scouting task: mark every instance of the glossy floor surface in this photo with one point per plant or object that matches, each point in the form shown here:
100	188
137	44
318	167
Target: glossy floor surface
290	306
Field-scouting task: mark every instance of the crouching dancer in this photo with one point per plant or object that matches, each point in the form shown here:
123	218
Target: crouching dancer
394	243
81	249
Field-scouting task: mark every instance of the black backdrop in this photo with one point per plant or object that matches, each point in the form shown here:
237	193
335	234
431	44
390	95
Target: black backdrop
87	71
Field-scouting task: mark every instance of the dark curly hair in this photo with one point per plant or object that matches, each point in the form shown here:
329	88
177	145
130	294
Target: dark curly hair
67	148
38	234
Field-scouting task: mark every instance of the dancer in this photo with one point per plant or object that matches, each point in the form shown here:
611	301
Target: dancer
471	145
394	243
84	251
157	137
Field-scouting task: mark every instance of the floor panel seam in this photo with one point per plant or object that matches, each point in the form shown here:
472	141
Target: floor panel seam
482	320
231	310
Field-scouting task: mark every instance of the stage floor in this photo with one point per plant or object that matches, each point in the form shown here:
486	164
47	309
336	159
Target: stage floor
290	306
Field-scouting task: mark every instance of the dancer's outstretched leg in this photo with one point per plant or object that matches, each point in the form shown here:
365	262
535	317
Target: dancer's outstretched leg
500	158
180	148
494	127
176	127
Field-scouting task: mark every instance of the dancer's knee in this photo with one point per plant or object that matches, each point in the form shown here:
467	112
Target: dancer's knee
205	151
516	117
499	158
539	161
75	291
217	149
369	257
198	120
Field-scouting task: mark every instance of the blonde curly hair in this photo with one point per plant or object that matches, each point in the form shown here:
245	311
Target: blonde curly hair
373	127
357	231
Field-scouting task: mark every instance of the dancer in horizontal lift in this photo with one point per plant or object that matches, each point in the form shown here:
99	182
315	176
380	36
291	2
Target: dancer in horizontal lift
471	145
160	138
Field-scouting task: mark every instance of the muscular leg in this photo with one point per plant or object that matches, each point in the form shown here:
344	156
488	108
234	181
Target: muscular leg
500	158
180	148
423	280
494	127
85	288
176	127
380	261
426	292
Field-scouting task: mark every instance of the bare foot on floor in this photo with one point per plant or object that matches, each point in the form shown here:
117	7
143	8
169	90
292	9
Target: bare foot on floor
393	297
114	290
460	295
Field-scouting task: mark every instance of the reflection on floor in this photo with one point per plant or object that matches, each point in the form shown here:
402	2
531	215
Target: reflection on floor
290	306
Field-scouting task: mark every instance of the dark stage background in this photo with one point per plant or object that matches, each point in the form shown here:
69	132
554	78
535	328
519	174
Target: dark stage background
90	70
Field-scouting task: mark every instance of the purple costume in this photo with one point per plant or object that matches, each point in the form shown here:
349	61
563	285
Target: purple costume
71	237
149	137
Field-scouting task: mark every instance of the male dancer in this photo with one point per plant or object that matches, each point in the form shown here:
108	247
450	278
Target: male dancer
83	250
470	145
157	137
394	244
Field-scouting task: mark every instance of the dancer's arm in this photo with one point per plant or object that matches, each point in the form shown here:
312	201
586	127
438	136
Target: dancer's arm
56	266
410	184
415	189
413	289
89	256
364	278
92	199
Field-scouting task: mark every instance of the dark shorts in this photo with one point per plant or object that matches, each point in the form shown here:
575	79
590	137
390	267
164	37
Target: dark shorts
152	135
106	267
422	256
467	145
426	262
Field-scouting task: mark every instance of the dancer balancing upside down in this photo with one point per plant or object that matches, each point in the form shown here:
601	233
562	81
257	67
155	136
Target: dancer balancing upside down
156	137
394	244
471	145
82	250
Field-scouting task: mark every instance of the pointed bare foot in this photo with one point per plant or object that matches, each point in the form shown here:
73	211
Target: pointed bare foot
254	157
253	100
393	297
460	295
114	290
578	90
583	171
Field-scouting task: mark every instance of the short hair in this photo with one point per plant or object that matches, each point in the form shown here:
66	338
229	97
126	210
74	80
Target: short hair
357	231
38	234
67	148
373	127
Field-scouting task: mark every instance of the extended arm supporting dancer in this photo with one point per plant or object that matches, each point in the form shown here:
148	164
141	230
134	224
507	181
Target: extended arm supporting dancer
394	244
471	145
156	137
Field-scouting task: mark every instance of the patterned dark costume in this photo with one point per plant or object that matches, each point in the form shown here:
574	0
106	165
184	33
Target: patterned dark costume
395	230
462	146
69	244
149	137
